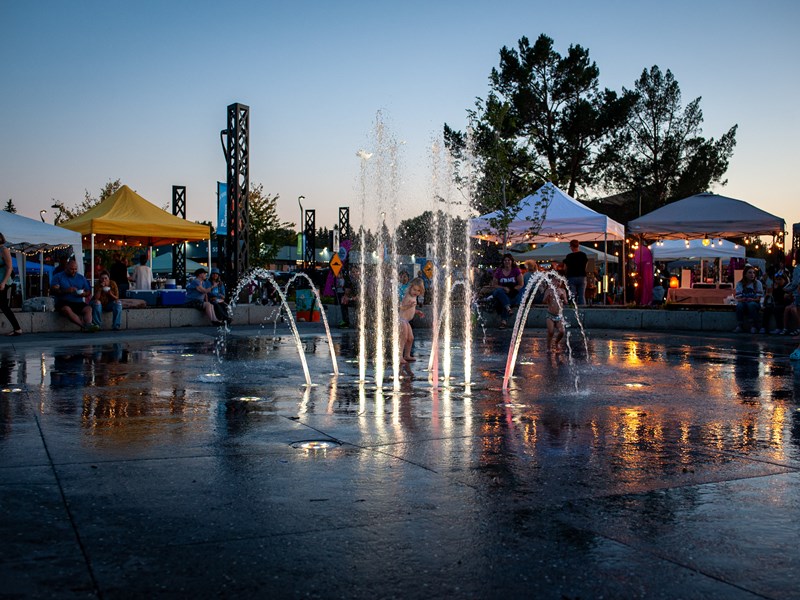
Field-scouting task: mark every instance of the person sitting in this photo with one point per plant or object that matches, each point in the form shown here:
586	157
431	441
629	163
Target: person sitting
216	296
71	289
748	294
507	285
106	298
197	296
775	302
659	292
791	314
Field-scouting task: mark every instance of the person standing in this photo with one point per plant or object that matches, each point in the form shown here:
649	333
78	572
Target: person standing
575	264
142	275
5	268
119	274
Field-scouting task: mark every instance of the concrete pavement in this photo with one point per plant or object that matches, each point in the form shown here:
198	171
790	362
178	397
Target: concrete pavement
176	463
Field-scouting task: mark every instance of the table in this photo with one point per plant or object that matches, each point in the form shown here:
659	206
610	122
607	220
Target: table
698	296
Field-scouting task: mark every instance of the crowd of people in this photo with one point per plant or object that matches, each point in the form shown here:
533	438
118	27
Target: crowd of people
766	303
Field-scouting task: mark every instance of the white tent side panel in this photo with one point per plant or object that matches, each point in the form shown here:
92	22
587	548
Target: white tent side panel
18	230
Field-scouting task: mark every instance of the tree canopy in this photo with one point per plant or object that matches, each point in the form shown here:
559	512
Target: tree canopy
267	233
664	156
546	118
89	201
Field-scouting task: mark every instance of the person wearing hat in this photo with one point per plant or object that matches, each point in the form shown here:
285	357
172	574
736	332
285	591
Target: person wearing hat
197	295
216	295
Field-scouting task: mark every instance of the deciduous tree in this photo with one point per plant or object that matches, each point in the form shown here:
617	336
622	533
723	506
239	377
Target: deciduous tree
267	233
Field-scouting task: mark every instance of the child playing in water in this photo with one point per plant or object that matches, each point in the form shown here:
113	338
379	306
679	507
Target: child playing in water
407	311
555	298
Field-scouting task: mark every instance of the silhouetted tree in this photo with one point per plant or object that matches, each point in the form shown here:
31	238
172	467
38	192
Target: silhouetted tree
663	155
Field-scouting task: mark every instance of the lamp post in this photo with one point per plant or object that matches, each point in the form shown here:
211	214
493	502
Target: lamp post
301	244
42	213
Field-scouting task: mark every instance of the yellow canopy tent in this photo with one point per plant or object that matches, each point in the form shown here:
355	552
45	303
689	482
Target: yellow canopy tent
127	219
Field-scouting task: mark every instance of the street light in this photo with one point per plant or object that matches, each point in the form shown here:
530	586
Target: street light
301	245
42	214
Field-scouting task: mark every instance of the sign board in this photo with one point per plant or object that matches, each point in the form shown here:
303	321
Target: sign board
222	208
336	265
428	270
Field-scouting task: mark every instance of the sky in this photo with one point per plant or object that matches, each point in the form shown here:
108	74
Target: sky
94	91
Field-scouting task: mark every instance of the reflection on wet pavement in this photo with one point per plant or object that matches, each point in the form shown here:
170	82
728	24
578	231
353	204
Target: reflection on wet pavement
652	445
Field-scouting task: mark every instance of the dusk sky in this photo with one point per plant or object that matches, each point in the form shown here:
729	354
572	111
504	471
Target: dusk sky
94	91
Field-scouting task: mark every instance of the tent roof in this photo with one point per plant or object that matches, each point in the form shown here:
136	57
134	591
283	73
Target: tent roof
694	249
163	264
565	219
559	250
706	215
127	216
30	236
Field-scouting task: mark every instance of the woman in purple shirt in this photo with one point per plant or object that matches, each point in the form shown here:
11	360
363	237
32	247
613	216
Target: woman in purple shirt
507	285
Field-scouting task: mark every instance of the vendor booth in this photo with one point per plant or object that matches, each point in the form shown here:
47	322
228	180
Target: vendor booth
31	239
550	215
127	219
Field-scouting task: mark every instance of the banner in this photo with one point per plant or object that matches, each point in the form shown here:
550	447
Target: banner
222	208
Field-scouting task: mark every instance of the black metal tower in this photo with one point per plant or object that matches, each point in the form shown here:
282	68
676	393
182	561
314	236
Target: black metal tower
344	223
237	154
179	250
310	234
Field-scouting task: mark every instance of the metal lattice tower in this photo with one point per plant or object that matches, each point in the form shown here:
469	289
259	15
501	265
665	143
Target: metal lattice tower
237	153
310	233
345	232
179	250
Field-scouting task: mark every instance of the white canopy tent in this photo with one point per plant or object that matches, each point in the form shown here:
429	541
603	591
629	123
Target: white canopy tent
695	249
559	250
28	237
704	216
564	219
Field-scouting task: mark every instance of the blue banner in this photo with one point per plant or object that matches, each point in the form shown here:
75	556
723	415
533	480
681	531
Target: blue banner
222	208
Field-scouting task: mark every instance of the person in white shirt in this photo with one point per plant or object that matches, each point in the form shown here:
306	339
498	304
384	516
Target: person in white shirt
142	275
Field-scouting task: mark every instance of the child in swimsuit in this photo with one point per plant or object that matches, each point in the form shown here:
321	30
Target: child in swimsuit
407	311
555	298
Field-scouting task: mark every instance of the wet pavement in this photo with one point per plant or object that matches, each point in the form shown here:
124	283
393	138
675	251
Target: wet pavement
171	464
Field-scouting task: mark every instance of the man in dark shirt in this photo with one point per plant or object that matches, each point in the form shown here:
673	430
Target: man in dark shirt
575	264
119	274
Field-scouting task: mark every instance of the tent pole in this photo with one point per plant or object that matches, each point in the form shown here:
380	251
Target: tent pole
624	268
22	269
41	272
208	244
91	266
605	271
